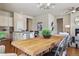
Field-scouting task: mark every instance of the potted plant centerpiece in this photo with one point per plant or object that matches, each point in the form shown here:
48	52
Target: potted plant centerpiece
46	33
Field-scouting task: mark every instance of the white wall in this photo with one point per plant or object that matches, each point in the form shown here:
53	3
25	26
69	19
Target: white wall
51	19
66	20
73	25
20	21
42	18
70	20
47	19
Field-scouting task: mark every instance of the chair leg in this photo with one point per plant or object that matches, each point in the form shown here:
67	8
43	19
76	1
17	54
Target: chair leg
71	43
68	45
76	45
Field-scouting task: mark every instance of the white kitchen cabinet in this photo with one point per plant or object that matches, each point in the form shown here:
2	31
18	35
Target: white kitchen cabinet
21	35
1	21
5	21
19	22
17	36
10	21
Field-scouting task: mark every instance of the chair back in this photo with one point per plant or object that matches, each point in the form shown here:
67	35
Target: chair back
36	33
77	37
61	47
65	34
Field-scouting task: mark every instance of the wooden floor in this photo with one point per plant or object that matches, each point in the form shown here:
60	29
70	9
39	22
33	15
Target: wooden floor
73	51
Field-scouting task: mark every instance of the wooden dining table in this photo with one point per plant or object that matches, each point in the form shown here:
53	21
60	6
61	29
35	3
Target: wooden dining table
35	46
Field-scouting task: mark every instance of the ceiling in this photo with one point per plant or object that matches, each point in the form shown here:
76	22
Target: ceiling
32	9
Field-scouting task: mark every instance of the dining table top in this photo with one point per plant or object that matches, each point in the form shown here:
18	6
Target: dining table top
35	46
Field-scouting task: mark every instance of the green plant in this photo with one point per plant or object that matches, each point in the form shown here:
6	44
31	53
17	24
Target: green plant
46	33
2	34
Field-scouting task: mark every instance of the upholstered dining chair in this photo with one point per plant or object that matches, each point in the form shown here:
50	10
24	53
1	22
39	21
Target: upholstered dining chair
77	41
36	33
63	33
66	34
59	50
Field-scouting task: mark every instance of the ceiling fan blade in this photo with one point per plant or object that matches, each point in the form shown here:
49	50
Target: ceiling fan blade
77	9
71	10
68	12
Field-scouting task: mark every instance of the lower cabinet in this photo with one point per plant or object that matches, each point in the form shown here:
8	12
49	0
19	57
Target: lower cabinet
21	35
8	47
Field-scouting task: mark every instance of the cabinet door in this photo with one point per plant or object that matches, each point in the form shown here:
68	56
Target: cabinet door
1	21
5	21
19	22
10	21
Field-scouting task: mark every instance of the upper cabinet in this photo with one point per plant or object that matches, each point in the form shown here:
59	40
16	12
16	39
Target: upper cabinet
18	22
5	21
10	21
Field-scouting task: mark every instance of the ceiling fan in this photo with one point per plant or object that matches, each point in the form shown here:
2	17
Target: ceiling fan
72	10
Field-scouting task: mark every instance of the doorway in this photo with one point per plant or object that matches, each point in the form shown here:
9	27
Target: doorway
29	24
59	25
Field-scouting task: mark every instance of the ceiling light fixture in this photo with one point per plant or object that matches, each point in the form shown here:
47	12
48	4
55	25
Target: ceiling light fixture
46	5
